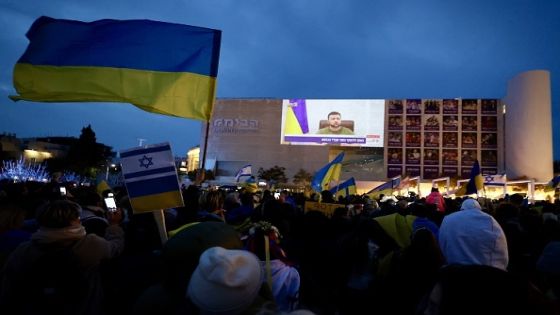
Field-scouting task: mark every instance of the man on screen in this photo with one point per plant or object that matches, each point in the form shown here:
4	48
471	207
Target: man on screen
335	126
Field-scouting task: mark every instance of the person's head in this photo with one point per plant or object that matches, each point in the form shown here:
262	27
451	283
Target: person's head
247	198
231	200
464	242
516	199
88	197
327	196
470	204
12	216
59	214
284	195
256	243
214	200
549	260
334	120
226	281
56	177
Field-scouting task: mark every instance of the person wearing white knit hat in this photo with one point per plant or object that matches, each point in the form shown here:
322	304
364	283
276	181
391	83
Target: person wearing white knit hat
226	281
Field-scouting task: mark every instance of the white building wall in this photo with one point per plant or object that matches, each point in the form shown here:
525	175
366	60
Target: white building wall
528	131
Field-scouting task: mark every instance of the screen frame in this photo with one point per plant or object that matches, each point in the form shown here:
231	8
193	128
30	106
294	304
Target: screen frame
367	115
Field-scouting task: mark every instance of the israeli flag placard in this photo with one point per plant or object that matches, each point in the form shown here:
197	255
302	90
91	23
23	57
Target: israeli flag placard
150	177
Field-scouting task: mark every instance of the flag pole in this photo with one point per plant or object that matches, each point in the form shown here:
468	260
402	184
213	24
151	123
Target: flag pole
337	185
202	171
159	216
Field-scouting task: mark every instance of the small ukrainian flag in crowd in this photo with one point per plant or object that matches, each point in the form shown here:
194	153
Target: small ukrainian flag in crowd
150	177
345	189
385	188
327	174
476	182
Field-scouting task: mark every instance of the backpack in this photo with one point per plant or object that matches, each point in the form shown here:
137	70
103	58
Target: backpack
56	282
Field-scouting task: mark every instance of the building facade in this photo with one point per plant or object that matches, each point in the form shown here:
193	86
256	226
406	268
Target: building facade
247	131
429	138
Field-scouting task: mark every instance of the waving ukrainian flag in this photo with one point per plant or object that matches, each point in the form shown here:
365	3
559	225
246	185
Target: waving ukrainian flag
386	188
159	67
327	174
476	182
347	188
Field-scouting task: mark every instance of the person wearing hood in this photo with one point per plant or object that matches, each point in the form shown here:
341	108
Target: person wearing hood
476	280
473	237
93	215
436	199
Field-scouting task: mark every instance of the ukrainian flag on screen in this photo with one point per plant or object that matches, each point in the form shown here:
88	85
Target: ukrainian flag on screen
159	67
296	118
150	177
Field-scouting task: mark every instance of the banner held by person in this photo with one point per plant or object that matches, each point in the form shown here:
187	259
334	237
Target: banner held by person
324	207
160	67
150	178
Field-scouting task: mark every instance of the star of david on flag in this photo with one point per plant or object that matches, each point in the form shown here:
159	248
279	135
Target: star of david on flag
150	177
146	161
495	180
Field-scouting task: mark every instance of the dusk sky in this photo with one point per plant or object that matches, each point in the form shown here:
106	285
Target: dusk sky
357	49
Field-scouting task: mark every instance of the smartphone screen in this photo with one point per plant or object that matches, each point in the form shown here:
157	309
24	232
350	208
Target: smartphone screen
110	204
63	191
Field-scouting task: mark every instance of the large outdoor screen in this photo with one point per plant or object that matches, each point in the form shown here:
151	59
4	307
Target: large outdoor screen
333	122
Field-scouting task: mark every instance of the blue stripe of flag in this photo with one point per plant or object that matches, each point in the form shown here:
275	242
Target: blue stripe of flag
143	151
152	186
386	185
149	172
132	44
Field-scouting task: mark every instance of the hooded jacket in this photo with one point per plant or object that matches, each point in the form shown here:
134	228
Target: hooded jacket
472	237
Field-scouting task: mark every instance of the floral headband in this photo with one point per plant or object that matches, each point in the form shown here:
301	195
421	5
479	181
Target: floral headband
266	227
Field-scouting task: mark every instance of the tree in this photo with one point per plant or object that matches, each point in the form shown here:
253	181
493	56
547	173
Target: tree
86	156
302	178
276	174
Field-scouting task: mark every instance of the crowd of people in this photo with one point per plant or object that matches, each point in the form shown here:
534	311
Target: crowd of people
251	252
